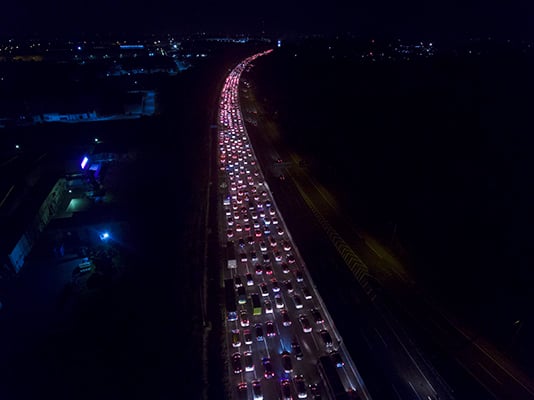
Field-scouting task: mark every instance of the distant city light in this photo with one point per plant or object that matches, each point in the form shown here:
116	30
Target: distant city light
132	46
17	146
279	43
84	162
79	47
104	236
96	140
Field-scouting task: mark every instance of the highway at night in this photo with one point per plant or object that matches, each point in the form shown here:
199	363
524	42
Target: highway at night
280	339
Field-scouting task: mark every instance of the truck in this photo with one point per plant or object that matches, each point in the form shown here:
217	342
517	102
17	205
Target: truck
231	307
256	304
230	256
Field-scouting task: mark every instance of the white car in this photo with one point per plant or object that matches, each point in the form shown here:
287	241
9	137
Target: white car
278	300
249	362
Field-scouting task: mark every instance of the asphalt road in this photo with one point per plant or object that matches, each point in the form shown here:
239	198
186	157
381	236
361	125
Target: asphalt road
420	320
266	253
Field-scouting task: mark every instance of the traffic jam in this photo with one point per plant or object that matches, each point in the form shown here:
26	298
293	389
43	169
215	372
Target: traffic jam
275	323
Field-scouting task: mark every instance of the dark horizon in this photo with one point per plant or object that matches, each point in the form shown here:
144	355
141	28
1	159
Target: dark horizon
410	20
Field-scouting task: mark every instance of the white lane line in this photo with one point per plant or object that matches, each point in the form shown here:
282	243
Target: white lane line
415	391
381	337
489	373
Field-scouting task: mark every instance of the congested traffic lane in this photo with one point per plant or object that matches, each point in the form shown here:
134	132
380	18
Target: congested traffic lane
283	338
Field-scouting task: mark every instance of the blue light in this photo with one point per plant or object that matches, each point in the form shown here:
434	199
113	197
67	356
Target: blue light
84	162
104	236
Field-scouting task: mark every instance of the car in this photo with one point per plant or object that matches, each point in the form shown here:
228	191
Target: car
268	367
269	326
256	390
229	233
263	246
242	391
243	316
278	301
290	259
253	256
299	276
250	279
230	221
272	212
259	269
254	215
262	212
243	257
266	231
286	362
279	230
241	243
268	307
268	270
286	245
236	340
241	295
327	339
266	258
277	256
259	333
317	317
263	289
315	391
297	351
246	227
276	286
272	241
247	336
236	363
256	225
300	385
238	228
249	362
274	221
285	268
306	293
306	327
286	321
337	360
289	286
250	240
297	301
286	389
267	221
237	282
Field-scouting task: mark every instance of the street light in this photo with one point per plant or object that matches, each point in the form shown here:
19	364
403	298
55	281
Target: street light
104	236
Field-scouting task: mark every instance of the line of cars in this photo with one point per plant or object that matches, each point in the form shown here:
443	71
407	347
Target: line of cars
268	270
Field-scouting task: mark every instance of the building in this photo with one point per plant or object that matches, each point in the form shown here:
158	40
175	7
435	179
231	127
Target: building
30	195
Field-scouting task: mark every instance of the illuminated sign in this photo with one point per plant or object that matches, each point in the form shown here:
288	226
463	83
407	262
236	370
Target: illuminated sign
84	162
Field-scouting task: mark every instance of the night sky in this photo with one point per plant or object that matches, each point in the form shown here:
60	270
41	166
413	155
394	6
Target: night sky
413	18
